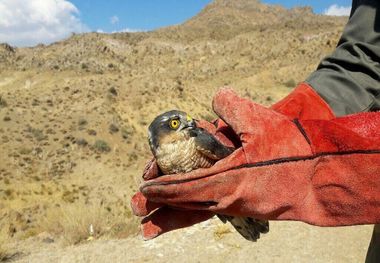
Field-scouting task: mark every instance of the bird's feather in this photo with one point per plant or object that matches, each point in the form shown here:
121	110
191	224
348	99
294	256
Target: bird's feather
190	148
208	145
248	227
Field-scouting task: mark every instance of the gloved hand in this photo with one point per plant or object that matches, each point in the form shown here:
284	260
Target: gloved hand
302	103
324	172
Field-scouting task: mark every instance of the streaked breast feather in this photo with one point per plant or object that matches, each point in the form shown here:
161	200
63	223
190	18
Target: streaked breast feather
181	157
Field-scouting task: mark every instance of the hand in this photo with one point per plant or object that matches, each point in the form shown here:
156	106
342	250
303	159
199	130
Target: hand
302	103
283	170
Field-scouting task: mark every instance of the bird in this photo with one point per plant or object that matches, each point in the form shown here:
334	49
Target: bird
180	146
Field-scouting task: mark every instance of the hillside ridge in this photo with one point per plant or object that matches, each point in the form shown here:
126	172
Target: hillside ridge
74	114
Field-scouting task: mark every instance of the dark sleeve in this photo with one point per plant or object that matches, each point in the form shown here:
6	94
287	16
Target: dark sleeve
349	79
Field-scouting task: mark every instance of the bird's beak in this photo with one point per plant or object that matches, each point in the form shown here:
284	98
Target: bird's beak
190	123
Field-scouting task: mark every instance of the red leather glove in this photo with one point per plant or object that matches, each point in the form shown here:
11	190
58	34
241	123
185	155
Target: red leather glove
324	172
302	103
305	104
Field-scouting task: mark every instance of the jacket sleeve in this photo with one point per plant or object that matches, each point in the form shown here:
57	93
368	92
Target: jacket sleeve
349	79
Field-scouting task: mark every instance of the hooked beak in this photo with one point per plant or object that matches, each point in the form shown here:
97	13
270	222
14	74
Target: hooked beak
190	124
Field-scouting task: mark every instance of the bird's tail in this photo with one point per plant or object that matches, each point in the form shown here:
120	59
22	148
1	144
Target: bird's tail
248	227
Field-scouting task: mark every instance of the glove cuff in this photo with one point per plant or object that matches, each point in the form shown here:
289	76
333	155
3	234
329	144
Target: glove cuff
305	104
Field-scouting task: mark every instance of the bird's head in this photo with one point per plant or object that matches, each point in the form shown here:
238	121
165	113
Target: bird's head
169	127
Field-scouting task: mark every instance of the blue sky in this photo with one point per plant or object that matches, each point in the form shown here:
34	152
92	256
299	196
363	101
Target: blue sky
150	14
47	21
318	6
134	14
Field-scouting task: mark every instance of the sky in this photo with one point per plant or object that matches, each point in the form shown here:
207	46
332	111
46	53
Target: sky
31	22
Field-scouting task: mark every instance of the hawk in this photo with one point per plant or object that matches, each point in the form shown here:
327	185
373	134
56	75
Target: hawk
179	146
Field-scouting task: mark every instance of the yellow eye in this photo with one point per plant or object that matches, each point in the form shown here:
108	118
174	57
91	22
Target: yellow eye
174	124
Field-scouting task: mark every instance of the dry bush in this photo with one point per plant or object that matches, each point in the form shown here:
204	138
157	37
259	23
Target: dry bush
291	83
221	231
76	223
82	122
3	102
113	128
102	146
37	133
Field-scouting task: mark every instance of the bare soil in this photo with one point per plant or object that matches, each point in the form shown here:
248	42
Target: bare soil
73	122
214	242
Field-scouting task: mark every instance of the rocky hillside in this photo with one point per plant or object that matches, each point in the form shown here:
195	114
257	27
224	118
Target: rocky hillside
74	114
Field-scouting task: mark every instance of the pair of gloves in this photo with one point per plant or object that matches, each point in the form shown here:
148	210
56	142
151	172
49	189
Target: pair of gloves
293	161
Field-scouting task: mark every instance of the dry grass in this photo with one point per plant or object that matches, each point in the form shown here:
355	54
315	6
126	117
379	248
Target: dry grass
3	102
77	223
221	231
110	87
5	252
102	146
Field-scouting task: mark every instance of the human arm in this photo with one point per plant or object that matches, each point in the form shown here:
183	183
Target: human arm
323	172
349	78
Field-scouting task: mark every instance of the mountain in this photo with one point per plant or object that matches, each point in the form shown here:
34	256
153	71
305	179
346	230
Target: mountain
74	114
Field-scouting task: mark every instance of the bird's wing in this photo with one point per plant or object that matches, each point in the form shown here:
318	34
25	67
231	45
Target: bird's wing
208	145
248	227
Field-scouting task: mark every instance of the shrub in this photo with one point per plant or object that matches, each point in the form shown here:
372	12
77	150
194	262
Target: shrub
113	91
102	146
91	132
81	142
37	133
291	83
126	132
75	223
25	151
113	128
3	102
78	222
82	122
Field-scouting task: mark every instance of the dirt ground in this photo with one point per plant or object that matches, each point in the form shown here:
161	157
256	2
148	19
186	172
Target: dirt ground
73	128
214	242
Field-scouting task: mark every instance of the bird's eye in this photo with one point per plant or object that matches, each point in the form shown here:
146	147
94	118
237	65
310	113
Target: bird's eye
174	124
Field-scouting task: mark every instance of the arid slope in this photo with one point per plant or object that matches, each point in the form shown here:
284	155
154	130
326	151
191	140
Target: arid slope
74	114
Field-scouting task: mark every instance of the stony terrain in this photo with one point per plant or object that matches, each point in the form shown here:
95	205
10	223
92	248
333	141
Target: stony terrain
73	121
